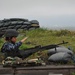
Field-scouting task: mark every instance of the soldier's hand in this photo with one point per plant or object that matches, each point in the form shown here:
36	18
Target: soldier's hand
24	39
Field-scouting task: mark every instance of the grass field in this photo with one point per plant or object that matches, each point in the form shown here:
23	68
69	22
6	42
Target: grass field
46	37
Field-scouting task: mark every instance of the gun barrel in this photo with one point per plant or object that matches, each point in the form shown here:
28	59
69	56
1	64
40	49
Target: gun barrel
62	43
31	51
39	47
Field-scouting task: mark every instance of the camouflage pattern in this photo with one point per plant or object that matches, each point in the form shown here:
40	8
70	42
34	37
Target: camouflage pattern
8	46
11	49
16	61
10	61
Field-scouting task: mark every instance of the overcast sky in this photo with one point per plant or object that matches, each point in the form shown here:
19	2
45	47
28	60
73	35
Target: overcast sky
52	13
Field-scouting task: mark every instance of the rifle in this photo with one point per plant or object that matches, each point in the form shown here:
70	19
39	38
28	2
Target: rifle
47	46
32	50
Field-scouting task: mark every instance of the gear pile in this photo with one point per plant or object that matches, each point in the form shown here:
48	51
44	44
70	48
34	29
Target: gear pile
17	23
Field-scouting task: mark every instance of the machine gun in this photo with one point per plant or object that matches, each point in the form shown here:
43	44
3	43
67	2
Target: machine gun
9	61
30	51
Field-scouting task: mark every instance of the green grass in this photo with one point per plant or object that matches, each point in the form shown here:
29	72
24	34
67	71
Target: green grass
46	37
73	73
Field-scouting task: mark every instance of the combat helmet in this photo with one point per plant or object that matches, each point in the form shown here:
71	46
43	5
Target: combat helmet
11	33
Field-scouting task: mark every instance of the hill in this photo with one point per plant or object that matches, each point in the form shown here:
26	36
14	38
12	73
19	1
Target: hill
45	37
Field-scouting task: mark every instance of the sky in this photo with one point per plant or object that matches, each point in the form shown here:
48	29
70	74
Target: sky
49	13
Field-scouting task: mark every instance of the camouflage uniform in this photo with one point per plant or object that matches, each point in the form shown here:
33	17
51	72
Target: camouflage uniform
12	49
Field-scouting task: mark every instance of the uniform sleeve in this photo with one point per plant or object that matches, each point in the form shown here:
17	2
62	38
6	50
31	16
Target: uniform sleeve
17	45
9	46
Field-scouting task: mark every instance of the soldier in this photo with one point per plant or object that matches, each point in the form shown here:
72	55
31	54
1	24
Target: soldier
10	47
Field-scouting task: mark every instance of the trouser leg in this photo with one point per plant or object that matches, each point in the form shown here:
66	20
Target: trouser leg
27	53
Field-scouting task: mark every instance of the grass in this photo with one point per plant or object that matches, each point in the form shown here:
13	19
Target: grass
46	37
73	73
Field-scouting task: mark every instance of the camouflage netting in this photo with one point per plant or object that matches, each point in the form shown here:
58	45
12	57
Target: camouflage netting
17	23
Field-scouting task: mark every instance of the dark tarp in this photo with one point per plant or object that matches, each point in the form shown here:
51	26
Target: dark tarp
59	49
60	57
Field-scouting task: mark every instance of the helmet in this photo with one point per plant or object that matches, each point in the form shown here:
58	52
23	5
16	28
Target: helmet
10	33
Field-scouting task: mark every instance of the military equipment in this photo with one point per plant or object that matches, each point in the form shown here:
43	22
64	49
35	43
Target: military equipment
16	61
17	23
11	32
10	61
61	57
49	46
59	49
60	54
32	50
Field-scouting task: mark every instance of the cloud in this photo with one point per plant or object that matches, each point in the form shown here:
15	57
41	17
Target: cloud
36	8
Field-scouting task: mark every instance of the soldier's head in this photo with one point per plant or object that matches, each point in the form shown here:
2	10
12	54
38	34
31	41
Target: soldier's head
10	35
